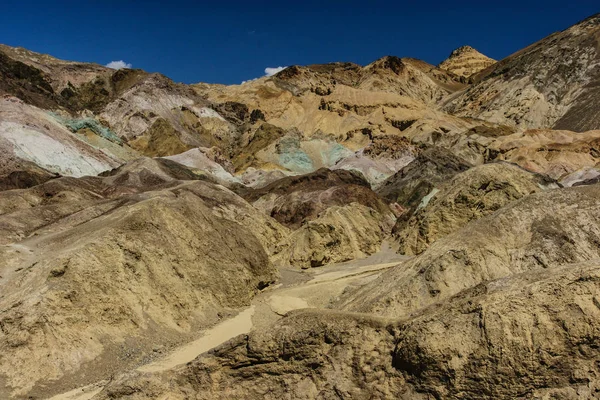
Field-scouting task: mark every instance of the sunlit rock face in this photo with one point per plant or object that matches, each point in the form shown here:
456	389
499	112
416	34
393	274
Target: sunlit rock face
466	61
550	84
394	230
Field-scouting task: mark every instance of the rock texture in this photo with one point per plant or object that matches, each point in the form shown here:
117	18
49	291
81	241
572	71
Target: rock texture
138	215
30	135
329	115
414	185
340	233
553	153
540	231
295	200
527	336
57	73
207	161
334	214
149	112
380	159
552	83
466	61
307	355
21	174
470	195
138	256
409	77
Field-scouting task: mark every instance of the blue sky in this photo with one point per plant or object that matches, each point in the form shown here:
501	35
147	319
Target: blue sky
231	41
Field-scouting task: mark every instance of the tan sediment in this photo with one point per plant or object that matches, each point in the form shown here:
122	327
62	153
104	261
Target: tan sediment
241	323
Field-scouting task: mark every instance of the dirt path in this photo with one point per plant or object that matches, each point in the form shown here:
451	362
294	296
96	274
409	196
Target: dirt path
315	288
241	323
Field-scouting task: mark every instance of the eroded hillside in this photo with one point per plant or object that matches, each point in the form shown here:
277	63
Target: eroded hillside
394	230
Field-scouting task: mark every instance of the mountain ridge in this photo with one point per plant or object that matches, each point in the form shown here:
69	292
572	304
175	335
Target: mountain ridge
392	230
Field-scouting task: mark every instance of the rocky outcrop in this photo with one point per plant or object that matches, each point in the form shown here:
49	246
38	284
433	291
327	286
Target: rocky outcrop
473	145
530	335
246	155
526	336
309	354
555	153
24	212
328	114
153	114
155	107
409	77
380	159
406	76
540	231
542	86
60	74
209	162
470	195
124	261
420	179
28	134
27	83
296	200
334	214
340	233
550	152
161	140
21	174
466	61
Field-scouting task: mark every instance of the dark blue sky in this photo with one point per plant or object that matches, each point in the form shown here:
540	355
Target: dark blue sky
231	41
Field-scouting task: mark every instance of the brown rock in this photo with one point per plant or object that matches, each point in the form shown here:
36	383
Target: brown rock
543	230
470	195
466	61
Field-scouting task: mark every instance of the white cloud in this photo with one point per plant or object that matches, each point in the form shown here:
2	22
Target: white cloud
270	71
118	64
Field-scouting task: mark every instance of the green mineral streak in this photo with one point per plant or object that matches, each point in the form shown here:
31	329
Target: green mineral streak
297	161
334	153
292	157
75	125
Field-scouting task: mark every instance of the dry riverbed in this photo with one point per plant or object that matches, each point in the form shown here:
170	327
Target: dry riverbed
315	288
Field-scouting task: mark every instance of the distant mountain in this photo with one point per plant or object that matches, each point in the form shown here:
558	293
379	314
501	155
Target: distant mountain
466	61
552	83
301	119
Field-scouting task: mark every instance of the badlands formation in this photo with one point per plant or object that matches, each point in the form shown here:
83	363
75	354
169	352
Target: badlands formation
337	231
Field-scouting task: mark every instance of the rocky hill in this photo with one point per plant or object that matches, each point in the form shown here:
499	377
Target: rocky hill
466	61
499	340
393	230
470	195
522	236
550	84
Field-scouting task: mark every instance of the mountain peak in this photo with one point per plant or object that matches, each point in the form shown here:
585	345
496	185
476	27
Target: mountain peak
463	50
466	61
